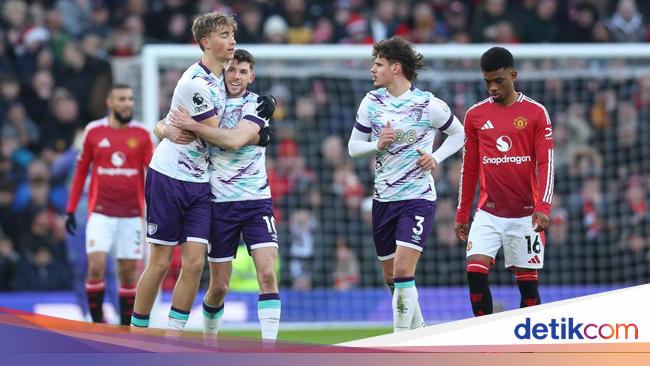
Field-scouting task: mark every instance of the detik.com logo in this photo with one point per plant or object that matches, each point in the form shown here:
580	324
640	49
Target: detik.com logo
569	328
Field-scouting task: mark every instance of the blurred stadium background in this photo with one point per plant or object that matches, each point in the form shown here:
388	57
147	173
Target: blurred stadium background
586	61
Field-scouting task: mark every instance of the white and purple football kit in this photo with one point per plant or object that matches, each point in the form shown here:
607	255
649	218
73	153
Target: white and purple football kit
177	188
241	203
404	197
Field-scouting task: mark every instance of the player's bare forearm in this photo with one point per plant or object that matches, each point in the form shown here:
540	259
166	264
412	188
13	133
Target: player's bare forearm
159	129
231	139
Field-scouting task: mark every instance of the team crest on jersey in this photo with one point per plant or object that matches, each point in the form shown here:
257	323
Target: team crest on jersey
132	142
152	228
416	114
236	114
520	122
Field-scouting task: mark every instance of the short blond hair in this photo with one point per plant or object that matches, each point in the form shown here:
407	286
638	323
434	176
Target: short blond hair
207	23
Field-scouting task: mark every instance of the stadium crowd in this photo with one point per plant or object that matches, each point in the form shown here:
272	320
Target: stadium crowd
55	69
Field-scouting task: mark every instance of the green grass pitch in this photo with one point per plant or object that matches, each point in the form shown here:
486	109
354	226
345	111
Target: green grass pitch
315	336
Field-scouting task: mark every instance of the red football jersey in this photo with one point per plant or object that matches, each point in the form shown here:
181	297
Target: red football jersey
119	157
510	149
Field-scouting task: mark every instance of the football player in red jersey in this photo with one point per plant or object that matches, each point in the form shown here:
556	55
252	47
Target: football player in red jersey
119	150
509	148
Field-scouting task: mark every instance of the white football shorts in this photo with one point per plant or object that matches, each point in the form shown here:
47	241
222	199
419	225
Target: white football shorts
522	246
123	237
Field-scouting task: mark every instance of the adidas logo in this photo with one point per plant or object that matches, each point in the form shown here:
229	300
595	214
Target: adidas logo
534	260
104	143
487	125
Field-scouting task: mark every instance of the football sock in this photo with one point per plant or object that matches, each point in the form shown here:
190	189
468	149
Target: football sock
268	311
405	301
211	318
127	298
139	320
177	318
528	287
418	319
479	290
95	292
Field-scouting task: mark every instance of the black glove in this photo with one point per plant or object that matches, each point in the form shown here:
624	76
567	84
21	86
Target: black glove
266	106
70	223
265	136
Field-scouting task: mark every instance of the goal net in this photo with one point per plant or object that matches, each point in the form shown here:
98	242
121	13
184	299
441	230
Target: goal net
598	98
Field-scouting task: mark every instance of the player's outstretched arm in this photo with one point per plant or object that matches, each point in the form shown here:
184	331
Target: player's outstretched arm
359	146
163	130
454	141
468	176
245	132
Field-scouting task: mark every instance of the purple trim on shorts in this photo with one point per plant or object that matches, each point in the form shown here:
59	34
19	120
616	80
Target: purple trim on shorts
448	123
273	296
362	128
258	121
205	115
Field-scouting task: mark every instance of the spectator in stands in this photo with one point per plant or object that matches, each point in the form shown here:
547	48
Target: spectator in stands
38	95
275	29
249	24
486	19
540	25
61	128
18	126
300	26
558	234
324	31
302	226
590	205
582	24
41	271
383	23
9	260
9	92
426	27
346	273
627	24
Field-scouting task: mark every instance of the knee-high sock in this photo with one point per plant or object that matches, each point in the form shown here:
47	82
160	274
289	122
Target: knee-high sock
95	292
177	318
127	298
479	290
211	318
528	288
268	311
405	301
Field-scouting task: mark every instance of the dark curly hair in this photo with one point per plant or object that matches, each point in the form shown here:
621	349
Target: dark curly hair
496	58
242	55
397	50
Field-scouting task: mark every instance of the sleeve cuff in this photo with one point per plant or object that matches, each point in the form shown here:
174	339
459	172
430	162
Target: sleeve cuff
362	128
448	123
258	121
205	115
